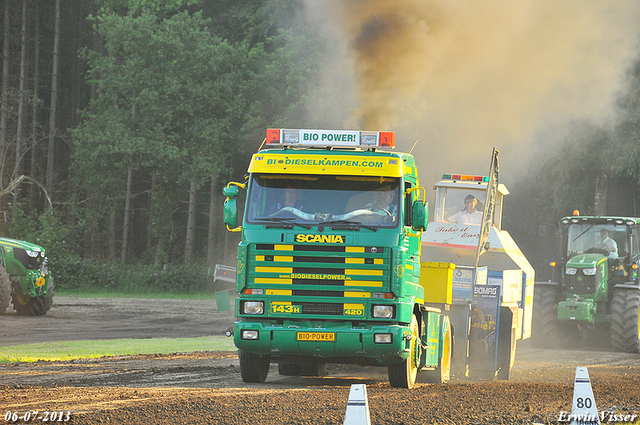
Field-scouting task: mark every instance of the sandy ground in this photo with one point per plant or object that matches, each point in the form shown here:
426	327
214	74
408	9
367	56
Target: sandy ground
206	388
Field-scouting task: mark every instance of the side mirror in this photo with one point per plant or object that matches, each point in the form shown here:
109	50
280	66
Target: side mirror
230	212
231	191
420	213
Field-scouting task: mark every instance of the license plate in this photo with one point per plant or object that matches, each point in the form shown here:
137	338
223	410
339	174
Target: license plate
316	336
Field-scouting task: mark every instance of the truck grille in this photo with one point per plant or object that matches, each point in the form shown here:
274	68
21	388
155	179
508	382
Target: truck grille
321	280
580	284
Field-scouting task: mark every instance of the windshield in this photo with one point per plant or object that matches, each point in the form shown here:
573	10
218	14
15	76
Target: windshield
606	239
315	199
451	204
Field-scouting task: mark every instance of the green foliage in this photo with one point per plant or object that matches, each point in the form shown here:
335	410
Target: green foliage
45	230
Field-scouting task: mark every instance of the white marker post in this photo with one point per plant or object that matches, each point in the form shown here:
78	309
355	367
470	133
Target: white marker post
357	406
584	409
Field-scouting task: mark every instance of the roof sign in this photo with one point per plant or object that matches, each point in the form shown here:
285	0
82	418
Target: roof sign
331	138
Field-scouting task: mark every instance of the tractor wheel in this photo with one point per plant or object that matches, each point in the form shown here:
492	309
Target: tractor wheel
253	368
625	320
403	374
544	332
442	373
25	305
5	289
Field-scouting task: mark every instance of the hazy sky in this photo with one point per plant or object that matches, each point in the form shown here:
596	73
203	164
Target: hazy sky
466	76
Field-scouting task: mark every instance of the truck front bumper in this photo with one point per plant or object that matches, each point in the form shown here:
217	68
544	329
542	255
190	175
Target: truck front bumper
331	342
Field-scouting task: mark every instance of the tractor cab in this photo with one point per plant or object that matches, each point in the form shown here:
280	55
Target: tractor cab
600	253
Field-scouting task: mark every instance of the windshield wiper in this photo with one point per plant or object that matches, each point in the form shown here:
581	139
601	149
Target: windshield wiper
349	225
283	222
586	230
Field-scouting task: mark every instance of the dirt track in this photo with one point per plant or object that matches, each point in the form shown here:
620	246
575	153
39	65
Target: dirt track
207	388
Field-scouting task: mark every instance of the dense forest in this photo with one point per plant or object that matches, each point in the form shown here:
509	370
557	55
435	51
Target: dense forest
122	119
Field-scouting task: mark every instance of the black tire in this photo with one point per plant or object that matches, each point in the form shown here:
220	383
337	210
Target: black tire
253	368
506	353
625	320
33	306
5	290
544	332
404	374
442	373
289	369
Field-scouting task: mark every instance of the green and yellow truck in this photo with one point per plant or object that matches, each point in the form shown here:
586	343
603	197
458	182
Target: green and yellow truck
329	263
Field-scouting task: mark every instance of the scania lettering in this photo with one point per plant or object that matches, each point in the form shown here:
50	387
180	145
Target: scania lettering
329	260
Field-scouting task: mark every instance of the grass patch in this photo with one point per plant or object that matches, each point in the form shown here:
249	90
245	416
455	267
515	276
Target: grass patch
71	350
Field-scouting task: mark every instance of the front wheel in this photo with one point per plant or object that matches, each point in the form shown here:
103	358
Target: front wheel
545	332
5	290
25	305
253	368
403	374
625	320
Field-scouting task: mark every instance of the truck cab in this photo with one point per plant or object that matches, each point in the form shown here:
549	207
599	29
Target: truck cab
329	259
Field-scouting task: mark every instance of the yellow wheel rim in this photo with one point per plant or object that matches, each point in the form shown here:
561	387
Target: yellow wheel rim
22	299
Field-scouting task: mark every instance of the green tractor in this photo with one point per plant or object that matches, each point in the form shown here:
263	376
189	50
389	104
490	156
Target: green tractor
594	291
24	278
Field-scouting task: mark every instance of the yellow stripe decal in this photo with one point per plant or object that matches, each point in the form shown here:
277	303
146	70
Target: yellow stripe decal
408	266
354	260
283	247
273	280
274	269
378	261
354	249
363	283
280	302
286	259
278	292
353	306
362	272
357	294
259	257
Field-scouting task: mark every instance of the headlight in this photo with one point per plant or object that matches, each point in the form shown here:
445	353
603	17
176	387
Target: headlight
42	254
253	307
571	270
32	254
249	334
589	272
383	311
382	338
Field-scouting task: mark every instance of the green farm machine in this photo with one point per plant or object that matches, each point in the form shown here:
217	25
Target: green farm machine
24	278
593	294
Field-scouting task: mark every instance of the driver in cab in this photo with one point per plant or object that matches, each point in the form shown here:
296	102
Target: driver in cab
290	198
383	203
609	244
469	215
